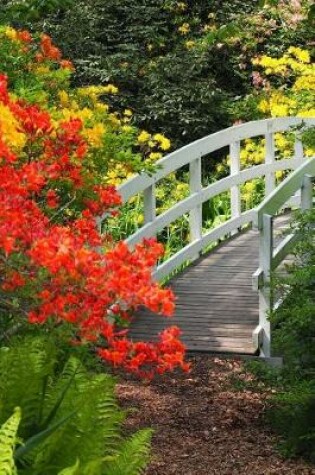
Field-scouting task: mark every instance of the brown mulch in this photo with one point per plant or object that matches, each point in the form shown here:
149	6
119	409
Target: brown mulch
204	425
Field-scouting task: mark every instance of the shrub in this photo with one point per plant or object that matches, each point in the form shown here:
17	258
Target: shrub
292	409
294	320
55	265
292	414
187	63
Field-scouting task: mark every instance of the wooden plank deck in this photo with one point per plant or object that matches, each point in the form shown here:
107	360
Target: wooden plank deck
216	308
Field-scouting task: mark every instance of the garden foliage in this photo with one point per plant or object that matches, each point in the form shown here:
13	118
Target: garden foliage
188	63
66	422
292	409
293	413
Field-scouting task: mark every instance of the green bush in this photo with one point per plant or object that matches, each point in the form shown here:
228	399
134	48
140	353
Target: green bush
294	321
292	409
293	416
63	418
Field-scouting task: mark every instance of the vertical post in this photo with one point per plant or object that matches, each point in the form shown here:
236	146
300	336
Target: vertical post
195	217
149	204
298	148
307	193
269	160
235	148
265	300
298	155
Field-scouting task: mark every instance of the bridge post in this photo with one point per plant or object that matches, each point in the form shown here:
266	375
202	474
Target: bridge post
307	193
298	148
269	159
149	203
195	215
235	148
265	297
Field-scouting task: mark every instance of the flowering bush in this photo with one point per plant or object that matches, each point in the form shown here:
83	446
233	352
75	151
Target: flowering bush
38	73
55	267
188	62
285	87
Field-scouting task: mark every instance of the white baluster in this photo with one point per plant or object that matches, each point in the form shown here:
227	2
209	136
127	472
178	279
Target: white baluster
149	204
195	216
298	148
307	193
265	301
235	148
269	160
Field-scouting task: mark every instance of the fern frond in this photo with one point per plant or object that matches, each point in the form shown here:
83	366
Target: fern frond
74	470
8	440
133	456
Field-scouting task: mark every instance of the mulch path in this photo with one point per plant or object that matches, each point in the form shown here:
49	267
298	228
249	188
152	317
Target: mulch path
203	424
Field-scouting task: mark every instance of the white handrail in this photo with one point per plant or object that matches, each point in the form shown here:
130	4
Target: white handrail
191	154
209	144
270	258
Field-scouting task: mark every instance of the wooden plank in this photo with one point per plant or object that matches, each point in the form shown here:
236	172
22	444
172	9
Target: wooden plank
215	308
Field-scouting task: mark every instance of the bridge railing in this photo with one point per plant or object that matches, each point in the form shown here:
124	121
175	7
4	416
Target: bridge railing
269	257
192	155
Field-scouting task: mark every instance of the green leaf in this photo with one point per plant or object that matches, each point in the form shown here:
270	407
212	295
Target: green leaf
8	440
37	439
59	401
74	470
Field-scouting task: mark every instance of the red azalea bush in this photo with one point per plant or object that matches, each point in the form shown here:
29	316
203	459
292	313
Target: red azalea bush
53	260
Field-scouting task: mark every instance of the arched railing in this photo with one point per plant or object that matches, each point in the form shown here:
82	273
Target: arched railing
192	155
269	257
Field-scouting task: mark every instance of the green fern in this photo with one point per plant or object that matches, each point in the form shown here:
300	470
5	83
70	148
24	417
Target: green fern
133	456
73	423
8	440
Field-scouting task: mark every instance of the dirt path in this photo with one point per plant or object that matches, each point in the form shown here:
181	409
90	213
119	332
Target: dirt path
204	425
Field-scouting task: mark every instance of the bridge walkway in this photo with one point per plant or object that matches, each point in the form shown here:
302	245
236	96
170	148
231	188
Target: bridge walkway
216	308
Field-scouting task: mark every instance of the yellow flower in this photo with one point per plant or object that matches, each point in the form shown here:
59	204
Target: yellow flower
181	6
154	156
10	33
127	128
42	70
9	128
100	107
249	187
305	82
144	137
263	106
128	112
164	143
140	219
64	98
300	54
95	134
184	28
110	89
190	44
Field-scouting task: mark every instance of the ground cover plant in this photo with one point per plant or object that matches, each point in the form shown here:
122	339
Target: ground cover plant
66	421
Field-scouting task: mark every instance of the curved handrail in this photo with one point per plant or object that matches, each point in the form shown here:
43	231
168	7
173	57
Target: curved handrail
269	257
206	145
191	154
284	191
